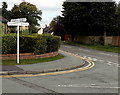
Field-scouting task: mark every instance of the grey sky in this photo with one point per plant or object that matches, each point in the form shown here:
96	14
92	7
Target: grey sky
50	8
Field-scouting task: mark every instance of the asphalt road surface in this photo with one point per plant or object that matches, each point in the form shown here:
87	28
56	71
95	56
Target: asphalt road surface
102	78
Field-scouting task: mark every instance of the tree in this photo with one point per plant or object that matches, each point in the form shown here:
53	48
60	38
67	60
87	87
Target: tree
103	17
57	27
5	13
86	18
118	18
29	11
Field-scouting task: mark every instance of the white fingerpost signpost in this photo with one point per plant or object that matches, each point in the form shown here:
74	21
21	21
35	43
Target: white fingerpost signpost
18	22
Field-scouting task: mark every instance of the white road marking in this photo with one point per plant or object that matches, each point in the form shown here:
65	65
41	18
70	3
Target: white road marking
98	85
84	56
109	63
92	86
89	58
108	54
84	50
101	60
112	63
118	65
94	59
116	55
68	46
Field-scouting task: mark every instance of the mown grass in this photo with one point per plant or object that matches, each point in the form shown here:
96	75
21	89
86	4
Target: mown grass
115	49
31	61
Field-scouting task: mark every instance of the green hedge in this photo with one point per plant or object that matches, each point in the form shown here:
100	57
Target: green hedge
34	43
53	42
9	44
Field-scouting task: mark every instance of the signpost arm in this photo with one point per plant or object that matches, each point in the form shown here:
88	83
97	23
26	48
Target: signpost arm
18	44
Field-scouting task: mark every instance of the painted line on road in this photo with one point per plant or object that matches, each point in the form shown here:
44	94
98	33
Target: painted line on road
91	86
68	46
108	54
84	50
90	65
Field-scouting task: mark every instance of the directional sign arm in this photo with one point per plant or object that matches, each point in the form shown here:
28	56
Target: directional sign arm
18	23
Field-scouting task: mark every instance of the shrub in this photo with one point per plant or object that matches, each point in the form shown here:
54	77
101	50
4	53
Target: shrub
25	32
53	42
26	44
9	44
34	43
40	45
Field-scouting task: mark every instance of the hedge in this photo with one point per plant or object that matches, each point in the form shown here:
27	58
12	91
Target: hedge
53	43
38	44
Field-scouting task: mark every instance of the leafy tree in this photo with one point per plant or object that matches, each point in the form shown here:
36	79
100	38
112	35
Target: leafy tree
118	18
86	18
103	17
5	13
57	27
29	11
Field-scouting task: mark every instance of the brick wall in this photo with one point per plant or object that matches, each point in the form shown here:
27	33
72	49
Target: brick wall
27	56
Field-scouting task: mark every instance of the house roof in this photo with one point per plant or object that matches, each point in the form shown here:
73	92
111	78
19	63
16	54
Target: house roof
2	19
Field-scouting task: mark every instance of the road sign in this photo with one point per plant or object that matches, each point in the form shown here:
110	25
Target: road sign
12	24
18	22
24	24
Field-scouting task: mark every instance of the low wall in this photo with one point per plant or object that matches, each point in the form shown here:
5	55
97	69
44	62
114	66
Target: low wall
27	56
108	40
87	39
112	40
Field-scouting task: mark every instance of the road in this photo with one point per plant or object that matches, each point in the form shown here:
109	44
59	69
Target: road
102	78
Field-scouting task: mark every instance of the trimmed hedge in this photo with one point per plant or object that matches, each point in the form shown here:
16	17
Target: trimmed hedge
38	44
9	45
53	43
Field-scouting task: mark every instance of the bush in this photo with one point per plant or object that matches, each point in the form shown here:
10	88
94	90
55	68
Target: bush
40	45
34	43
9	44
53	42
25	32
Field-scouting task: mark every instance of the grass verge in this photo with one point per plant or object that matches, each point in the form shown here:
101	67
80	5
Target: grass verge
115	49
31	61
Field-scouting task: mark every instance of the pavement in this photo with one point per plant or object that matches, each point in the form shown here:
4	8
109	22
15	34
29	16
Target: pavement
67	63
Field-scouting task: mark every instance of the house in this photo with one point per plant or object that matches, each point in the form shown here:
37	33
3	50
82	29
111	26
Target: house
3	22
40	31
48	30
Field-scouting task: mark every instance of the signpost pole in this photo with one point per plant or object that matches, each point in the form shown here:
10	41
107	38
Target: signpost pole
18	22
18	44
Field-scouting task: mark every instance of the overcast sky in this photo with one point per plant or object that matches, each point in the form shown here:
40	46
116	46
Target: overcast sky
50	8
